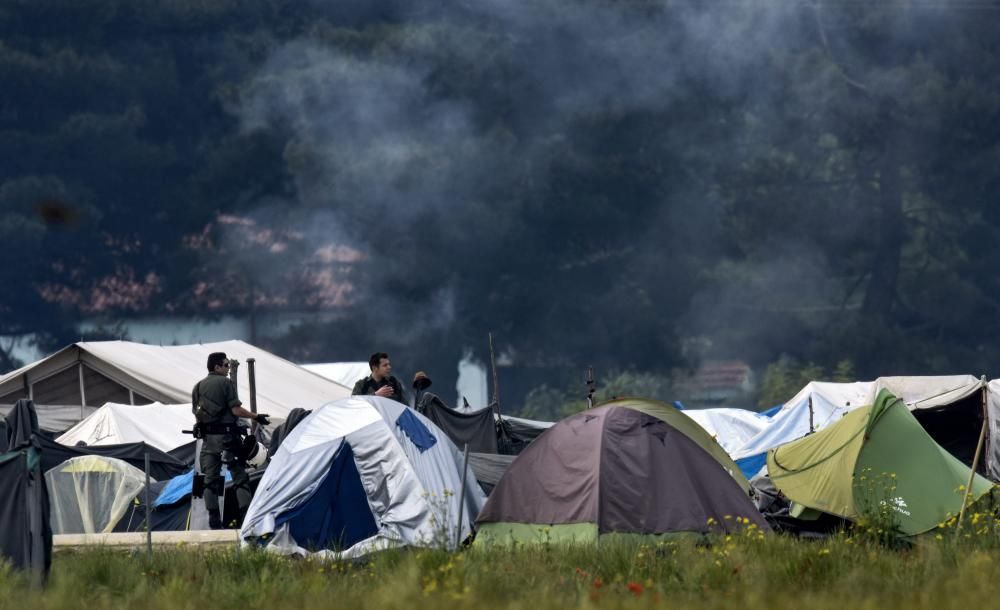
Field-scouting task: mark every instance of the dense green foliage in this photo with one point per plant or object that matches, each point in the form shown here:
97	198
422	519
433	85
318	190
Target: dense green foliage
746	571
633	184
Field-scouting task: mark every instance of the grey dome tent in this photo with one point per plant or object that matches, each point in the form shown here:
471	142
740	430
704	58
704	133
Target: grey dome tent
629	468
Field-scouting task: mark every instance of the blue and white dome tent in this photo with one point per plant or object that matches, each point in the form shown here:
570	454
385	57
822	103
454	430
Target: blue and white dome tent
358	475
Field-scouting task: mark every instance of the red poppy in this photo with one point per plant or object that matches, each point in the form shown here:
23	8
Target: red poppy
635	588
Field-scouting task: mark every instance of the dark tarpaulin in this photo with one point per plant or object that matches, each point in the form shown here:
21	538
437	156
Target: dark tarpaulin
165	518
488	468
280	433
162	466
478	428
26	539
22	423
185	453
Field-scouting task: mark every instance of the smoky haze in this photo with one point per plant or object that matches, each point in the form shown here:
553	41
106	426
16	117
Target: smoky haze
566	174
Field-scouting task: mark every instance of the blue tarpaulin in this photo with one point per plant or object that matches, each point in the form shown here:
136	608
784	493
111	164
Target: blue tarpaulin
752	464
179	487
416	430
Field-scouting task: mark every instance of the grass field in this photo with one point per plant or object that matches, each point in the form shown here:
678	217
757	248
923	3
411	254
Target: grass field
848	571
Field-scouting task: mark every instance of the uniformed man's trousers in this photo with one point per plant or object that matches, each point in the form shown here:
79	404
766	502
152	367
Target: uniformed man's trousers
212	448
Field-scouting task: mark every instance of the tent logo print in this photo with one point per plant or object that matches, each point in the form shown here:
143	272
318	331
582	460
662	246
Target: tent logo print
897	504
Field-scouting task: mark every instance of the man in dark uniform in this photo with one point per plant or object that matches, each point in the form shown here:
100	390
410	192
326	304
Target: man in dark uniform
380	382
217	409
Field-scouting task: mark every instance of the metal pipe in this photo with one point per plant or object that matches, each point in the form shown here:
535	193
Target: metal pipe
975	459
252	373
461	498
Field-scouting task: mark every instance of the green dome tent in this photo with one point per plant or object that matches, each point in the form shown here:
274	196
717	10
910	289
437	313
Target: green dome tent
875	457
627	468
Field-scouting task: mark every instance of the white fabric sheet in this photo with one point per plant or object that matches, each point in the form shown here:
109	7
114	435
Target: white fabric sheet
731	428
113	424
344	373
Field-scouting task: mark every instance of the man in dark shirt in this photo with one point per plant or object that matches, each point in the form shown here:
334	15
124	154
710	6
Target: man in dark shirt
218	409
380	382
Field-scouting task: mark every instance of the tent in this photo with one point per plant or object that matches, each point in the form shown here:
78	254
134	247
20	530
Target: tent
157	424
162	465
344	373
72	383
358	475
90	493
732	428
875	457
630	467
949	408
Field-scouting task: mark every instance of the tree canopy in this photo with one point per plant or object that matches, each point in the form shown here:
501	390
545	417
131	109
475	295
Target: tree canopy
632	184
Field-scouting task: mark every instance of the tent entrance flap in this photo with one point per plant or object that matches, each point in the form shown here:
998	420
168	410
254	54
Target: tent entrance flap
337	515
956	427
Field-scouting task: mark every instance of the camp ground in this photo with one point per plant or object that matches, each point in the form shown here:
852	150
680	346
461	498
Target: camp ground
877	458
78	379
950	408
361	474
627	468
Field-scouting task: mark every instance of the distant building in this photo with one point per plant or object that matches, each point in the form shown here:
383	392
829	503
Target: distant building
719	383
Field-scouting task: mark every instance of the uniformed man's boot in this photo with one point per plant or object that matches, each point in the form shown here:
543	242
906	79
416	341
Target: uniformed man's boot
214	519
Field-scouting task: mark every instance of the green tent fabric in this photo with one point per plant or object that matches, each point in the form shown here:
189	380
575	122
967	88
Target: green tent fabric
689	427
875	457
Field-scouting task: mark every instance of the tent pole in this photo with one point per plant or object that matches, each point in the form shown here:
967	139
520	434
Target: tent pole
496	387
811	428
83	393
590	387
149	533
36	525
461	498
975	460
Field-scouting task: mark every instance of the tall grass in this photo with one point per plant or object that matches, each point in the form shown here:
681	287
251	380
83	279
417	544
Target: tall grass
745	571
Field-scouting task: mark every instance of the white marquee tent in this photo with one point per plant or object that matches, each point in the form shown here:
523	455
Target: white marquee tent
72	383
